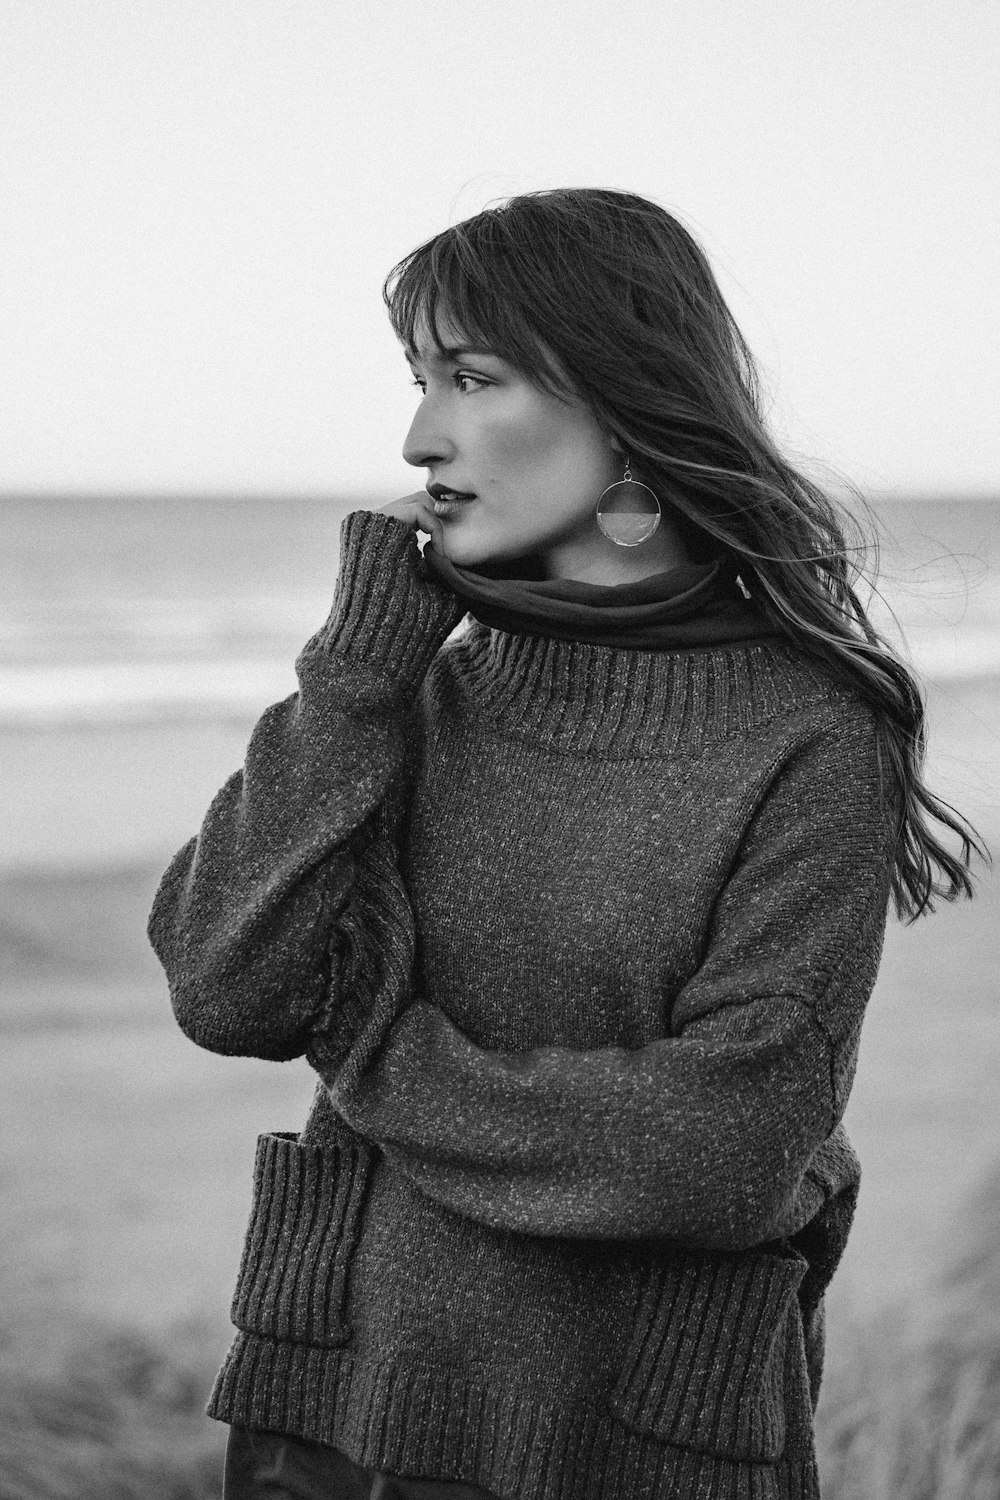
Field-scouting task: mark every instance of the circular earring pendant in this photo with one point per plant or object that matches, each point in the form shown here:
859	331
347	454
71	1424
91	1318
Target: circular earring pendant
628	512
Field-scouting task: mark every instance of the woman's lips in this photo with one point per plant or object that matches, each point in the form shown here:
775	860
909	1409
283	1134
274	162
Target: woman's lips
444	508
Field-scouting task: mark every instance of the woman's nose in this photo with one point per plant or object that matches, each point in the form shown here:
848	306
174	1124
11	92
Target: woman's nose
425	443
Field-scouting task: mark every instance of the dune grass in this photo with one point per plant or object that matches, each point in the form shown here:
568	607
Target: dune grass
120	1418
914	1412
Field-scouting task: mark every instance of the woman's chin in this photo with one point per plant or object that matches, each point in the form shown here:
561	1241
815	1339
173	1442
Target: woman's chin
466	545
477	547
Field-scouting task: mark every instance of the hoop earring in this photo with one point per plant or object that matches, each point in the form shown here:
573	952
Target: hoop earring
624	514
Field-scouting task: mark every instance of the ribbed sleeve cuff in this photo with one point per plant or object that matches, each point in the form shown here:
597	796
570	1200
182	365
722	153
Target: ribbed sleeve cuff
387	608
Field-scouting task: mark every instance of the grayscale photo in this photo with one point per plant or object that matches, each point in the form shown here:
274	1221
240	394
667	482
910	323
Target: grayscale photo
499	751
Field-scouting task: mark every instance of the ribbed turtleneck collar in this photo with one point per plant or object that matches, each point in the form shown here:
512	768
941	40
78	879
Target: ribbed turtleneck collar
689	606
587	699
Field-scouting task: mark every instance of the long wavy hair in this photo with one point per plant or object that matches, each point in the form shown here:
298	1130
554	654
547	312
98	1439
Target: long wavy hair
623	296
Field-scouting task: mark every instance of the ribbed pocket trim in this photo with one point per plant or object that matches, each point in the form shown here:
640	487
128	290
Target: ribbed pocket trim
705	1367
303	1229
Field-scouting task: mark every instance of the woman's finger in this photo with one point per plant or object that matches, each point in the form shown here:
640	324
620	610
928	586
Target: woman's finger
405	507
417	510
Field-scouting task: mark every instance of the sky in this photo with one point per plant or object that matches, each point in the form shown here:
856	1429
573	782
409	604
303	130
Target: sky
199	201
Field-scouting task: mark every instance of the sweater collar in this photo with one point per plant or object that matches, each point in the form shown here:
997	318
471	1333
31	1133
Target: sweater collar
692	605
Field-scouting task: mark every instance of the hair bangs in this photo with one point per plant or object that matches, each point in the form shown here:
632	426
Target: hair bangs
473	283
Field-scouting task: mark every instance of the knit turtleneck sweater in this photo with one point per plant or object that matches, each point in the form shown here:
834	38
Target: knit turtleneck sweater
578	940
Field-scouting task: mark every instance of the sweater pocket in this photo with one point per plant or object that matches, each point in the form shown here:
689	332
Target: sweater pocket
303	1228
705	1363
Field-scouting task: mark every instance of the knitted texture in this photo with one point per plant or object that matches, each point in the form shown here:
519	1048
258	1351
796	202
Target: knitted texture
578	941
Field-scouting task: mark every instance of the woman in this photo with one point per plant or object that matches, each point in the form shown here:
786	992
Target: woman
575	914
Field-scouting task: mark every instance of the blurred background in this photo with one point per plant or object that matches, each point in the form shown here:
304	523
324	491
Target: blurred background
200	201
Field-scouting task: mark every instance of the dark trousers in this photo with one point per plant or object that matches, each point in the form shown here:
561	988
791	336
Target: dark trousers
277	1466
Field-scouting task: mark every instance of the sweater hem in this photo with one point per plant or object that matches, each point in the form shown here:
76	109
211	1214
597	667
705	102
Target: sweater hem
418	1422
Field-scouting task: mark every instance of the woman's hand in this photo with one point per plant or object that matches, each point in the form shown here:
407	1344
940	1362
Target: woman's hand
417	510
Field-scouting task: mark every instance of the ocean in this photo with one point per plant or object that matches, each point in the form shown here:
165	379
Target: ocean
141	638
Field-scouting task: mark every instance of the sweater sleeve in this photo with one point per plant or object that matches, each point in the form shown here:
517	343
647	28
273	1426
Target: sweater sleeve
711	1136
251	916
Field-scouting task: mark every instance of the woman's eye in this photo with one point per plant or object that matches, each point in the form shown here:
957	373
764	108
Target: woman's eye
460	378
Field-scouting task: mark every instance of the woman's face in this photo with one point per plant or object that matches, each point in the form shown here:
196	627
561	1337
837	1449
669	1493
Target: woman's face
535	465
